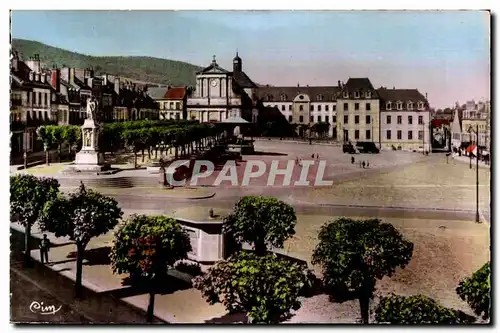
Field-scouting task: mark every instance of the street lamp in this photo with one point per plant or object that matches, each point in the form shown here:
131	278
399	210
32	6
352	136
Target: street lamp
470	130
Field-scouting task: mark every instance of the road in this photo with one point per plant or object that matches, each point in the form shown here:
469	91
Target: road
137	202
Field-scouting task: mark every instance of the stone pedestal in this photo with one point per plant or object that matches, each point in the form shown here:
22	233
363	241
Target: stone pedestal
89	159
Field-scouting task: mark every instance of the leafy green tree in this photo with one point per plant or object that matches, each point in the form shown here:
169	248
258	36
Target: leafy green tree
44	134
73	136
57	133
476	291
81	216
132	140
149	245
28	196
266	288
355	253
262	222
418	309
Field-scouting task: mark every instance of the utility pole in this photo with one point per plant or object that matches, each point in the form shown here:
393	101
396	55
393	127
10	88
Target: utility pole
423	137
477	176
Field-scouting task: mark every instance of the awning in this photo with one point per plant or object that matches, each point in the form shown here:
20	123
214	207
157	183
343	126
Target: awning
470	149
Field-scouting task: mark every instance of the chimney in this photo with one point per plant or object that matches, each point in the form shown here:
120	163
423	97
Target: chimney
393	88
90	82
55	79
339	84
168	88
105	79
65	73
425	96
14	62
72	75
298	85
117	85
42	77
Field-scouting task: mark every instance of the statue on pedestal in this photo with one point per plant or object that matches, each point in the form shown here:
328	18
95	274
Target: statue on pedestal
92	105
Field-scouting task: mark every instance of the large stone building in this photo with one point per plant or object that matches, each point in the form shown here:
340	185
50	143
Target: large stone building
220	93
404	119
303	105
476	115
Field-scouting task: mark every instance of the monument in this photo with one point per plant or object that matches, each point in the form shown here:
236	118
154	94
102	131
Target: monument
89	159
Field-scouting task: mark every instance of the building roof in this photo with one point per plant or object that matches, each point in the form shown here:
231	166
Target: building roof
243	80
176	93
287	94
213	68
157	93
354	84
403	95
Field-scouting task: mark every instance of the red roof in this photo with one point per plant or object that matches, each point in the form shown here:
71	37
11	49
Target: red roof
175	93
439	122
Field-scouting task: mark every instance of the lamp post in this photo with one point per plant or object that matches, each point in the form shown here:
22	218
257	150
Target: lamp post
423	137
477	170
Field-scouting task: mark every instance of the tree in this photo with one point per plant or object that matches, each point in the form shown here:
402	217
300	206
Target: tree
476	290
261	221
73	136
418	309
132	140
148	245
44	134
81	216
355	253
28	196
266	288
57	138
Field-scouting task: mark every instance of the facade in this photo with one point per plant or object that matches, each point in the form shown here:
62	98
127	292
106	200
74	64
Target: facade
405	120
175	104
220	93
303	105
158	94
476	116
358	112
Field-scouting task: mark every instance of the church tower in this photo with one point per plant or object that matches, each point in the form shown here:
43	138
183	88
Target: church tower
237	66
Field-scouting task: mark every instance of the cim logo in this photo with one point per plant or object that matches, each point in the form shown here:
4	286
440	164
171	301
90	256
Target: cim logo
40	308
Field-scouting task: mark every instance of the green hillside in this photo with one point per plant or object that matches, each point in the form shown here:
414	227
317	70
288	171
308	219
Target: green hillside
146	69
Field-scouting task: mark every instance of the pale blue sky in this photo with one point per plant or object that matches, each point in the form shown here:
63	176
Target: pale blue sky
445	54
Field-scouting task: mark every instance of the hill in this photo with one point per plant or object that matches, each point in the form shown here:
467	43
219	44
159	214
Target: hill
145	69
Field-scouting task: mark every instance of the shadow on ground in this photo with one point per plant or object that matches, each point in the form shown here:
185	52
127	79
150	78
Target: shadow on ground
97	256
168	285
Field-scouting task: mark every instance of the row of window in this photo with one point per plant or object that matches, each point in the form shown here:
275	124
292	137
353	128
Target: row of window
318	108
399	134
356	119
388	120
284	97
311	119
358	94
172	104
38	101
399	105
368	135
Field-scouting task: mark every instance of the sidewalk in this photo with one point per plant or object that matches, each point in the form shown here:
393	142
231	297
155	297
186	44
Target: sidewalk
177	303
465	159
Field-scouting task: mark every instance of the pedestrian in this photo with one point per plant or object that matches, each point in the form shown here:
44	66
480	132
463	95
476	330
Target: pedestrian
352	160
367	165
312	156
296	161
363	164
317	156
44	249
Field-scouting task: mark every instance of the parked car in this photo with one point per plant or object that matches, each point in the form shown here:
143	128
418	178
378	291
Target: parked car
348	148
367	147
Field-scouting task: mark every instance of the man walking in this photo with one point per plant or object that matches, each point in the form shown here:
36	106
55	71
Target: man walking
44	249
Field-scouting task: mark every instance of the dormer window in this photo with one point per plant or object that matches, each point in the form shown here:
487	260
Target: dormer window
399	105
301	97
269	98
346	94
356	94
284	98
410	105
368	94
319	97
388	106
420	105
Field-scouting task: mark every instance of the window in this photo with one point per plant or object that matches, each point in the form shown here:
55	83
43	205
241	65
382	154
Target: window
420	105
171	105
388	120
311	107
319	107
368	106
356	94
40	115
326	107
368	119
368	135
311	119
399	105
368	94
269	98
282	108
301	97
334	107
289	119
301	107
301	119
334	119
410	106
356	119
290	107
45	99
420	135
388	134
40	99
400	135
410	135
420	120
283	98
346	119
388	106
410	120
177	116
29	97
356	134
356	106
400	120
327	120
319	119
346	106
178	105
320	97
346	94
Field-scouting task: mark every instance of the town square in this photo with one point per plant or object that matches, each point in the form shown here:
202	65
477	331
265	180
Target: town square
210	198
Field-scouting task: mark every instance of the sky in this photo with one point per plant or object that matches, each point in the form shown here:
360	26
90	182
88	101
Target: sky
443	54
